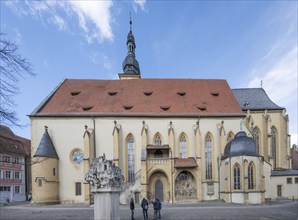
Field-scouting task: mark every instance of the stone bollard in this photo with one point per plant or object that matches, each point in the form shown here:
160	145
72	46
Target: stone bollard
105	179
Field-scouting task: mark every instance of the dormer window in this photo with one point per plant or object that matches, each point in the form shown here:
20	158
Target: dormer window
215	93
165	107
87	107
181	93
75	93
127	107
112	93
148	93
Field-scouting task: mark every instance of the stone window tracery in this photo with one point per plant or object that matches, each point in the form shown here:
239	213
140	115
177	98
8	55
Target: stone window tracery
251	176
256	136
230	136
273	145
208	155
130	152
157	140
236	176
182	142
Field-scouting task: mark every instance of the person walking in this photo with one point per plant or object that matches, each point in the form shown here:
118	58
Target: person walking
132	208
159	208
155	207
144	205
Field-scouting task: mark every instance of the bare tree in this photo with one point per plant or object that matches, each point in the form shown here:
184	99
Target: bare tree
13	67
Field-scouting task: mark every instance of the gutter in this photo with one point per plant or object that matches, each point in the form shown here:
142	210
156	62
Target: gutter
94	139
87	114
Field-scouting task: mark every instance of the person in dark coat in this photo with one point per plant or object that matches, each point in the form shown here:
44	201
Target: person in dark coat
156	204
159	208
132	208
144	205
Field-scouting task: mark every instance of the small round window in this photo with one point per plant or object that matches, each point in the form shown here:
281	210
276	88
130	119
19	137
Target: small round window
77	156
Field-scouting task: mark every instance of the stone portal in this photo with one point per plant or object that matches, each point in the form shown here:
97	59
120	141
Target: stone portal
105	180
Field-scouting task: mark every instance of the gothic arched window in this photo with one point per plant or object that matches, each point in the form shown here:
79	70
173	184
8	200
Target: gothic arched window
250	176
256	136
230	136
182	143
236	176
131	160
273	145
208	156
157	140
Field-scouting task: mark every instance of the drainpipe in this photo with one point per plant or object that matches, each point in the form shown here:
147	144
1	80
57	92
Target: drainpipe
230	181
172	175
94	139
218	177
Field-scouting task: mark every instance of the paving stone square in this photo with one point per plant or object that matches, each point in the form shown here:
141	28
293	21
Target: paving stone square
214	210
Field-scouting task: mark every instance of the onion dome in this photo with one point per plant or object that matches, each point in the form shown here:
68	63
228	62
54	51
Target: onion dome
241	145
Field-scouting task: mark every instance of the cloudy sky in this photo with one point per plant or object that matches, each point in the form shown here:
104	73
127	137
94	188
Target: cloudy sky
244	42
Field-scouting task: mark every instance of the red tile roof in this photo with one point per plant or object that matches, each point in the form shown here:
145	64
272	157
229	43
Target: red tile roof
11	143
142	97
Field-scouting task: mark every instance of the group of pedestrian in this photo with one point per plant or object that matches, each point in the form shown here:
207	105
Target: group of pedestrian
145	205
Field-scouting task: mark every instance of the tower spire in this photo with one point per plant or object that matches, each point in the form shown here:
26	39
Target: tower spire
130	65
130	22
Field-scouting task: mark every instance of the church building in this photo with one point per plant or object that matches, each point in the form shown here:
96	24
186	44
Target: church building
179	140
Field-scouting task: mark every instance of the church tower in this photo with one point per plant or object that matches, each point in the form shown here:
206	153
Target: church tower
130	65
45	177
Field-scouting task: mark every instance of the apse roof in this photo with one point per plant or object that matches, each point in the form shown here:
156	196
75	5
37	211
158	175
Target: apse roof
199	97
46	147
241	145
254	99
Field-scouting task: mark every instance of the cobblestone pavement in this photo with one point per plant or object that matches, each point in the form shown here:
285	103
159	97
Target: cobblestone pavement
285	210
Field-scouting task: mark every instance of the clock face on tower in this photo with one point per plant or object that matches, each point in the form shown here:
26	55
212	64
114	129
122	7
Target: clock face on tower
77	156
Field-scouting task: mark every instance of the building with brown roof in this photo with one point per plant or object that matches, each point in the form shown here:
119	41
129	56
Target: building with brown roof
170	137
15	169
294	155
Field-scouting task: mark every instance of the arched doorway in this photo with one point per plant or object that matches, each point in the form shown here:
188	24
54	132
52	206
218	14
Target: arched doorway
159	186
159	190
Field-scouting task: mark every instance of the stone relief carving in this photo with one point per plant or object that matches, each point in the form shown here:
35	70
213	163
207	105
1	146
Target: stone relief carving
210	189
103	174
185	185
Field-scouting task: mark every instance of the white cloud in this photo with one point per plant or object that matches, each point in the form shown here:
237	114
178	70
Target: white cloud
59	22
97	13
101	59
280	83
94	16
139	4
282	76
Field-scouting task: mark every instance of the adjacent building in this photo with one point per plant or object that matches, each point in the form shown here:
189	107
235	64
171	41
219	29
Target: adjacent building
294	155
179	140
15	169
